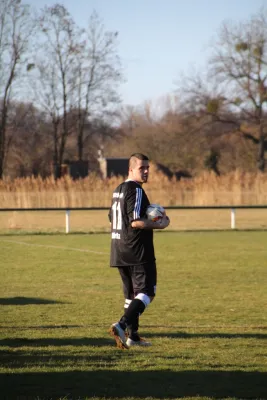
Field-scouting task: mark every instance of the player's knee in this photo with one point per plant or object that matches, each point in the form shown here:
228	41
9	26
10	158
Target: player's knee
144	298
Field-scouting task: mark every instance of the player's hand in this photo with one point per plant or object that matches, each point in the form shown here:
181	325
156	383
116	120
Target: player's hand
164	222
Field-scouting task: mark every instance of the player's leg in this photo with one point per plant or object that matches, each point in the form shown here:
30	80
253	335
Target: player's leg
134	326
132	276
144	278
128	292
127	286
116	330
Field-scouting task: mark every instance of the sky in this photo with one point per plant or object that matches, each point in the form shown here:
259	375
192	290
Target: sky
159	40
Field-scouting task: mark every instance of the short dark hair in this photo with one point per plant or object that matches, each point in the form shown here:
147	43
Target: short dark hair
139	156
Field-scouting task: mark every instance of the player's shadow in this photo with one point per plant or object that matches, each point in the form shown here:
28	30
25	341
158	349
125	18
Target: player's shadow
109	383
25	301
59	342
210	335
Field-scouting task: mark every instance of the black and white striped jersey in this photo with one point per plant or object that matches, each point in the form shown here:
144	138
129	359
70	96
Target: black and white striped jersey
129	246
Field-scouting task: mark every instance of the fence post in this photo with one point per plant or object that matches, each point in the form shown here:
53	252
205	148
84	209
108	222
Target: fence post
67	221
232	218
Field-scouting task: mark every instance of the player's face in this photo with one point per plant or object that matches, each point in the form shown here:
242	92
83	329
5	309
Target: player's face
140	171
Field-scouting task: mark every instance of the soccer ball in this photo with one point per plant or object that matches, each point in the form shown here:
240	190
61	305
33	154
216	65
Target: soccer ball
155	212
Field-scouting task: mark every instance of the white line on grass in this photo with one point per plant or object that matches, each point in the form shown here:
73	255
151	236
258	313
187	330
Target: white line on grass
54	247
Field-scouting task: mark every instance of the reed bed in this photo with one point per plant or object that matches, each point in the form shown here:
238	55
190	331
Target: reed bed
206	189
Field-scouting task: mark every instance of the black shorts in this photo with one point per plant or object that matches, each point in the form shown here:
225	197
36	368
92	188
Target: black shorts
139	279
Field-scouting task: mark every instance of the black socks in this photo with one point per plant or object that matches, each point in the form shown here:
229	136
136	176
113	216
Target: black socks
131	315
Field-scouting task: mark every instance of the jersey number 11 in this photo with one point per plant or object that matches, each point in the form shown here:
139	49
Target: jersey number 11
116	216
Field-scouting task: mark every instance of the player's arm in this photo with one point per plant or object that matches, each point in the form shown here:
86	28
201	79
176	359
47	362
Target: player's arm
136	212
144	223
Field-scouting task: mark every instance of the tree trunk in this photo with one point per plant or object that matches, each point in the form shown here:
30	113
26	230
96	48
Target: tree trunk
261	148
2	140
56	167
1	153
80	146
261	153
1	167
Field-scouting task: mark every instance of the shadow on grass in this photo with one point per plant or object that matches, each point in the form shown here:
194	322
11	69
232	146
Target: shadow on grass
44	342
36	358
41	327
215	335
25	301
162	384
105	380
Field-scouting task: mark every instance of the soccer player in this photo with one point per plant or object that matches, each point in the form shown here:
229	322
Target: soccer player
132	250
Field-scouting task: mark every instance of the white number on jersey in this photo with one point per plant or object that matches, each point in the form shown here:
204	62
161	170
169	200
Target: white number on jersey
116	216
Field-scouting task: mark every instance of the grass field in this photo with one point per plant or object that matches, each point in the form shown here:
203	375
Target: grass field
208	323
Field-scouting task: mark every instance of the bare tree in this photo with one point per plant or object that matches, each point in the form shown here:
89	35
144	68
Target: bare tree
47	96
96	80
55	68
30	152
234	91
16	27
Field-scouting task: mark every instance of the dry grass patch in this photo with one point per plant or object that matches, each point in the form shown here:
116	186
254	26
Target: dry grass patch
235	188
